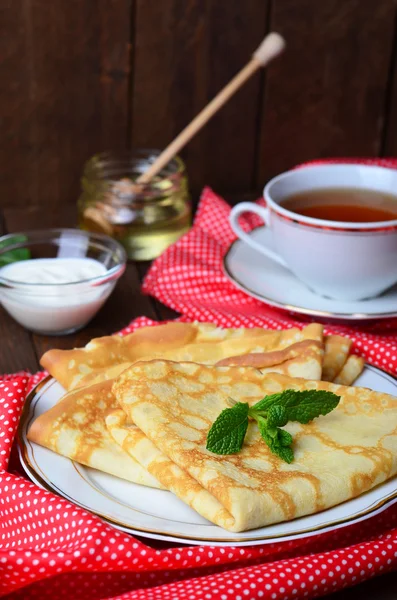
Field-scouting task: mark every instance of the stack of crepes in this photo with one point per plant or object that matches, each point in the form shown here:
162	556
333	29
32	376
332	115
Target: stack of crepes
140	407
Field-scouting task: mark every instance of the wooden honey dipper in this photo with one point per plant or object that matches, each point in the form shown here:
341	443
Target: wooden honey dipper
271	46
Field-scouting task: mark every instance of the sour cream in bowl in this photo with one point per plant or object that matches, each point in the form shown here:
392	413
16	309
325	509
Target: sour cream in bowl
54	281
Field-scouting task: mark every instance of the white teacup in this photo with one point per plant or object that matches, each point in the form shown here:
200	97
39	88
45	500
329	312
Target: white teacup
344	261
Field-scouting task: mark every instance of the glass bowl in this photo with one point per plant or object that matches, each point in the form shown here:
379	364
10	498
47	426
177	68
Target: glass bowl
47	287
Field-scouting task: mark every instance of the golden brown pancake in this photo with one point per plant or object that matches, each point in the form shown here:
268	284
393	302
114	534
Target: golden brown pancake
352	368
90	404
106	357
75	428
68	428
302	359
336	351
337	457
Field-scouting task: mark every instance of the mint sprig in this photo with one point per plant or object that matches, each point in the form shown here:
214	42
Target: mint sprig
15	255
227	433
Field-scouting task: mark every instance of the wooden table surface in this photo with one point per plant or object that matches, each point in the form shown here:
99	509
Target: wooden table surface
21	350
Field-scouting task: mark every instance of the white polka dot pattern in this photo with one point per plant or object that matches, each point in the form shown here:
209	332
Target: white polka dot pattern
188	277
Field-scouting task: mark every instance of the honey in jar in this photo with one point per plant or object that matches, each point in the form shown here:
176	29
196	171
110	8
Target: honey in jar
146	218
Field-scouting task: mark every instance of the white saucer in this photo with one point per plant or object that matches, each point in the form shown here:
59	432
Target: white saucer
266	280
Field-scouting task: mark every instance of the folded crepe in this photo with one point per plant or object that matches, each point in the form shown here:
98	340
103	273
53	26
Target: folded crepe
352	368
337	456
294	352
338	366
336	351
75	428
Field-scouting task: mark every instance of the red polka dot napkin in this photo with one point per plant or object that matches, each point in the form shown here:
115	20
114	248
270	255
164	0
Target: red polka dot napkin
188	277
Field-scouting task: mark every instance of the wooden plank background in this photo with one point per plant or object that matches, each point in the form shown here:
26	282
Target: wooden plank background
83	76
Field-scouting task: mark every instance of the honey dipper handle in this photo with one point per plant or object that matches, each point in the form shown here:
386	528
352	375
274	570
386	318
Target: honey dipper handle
272	46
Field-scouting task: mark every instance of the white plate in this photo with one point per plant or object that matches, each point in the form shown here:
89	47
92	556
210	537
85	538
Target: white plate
159	514
266	280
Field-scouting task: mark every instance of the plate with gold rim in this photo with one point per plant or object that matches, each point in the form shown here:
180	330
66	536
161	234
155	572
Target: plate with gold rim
158	514
267	281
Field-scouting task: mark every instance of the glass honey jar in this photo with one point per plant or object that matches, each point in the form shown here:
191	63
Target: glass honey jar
145	218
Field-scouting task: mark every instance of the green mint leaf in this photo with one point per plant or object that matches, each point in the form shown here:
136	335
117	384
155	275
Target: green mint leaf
227	434
263	405
264	430
270	432
277	416
284	452
278	440
306	405
284	437
291	405
15	255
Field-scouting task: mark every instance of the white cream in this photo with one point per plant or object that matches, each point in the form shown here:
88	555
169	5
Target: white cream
54	307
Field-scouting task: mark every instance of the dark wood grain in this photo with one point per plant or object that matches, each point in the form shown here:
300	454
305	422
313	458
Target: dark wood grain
65	66
17	350
185	52
82	77
37	217
326	95
389	146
